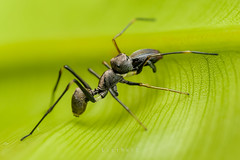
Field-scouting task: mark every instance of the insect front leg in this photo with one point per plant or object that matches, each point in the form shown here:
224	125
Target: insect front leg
152	66
147	60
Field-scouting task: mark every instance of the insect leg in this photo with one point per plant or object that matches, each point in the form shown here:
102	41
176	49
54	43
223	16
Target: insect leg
94	73
59	76
153	87
49	110
131	22
127	109
111	90
139	70
88	95
86	85
106	64
152	66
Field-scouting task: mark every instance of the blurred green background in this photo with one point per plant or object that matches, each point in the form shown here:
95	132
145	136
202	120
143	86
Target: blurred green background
38	37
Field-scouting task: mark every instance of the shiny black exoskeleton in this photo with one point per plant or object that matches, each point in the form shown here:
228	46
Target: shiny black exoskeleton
121	66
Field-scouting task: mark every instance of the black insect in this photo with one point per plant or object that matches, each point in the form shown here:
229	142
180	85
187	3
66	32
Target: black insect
121	66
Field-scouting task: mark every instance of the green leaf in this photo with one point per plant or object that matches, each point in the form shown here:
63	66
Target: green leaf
41	37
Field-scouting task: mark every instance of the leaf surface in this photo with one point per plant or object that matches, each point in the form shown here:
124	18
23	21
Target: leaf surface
203	125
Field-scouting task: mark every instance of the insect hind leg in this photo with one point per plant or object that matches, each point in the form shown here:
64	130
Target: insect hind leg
86	92
85	84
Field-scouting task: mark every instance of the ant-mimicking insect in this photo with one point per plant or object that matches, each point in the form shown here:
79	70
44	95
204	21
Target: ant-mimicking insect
121	66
